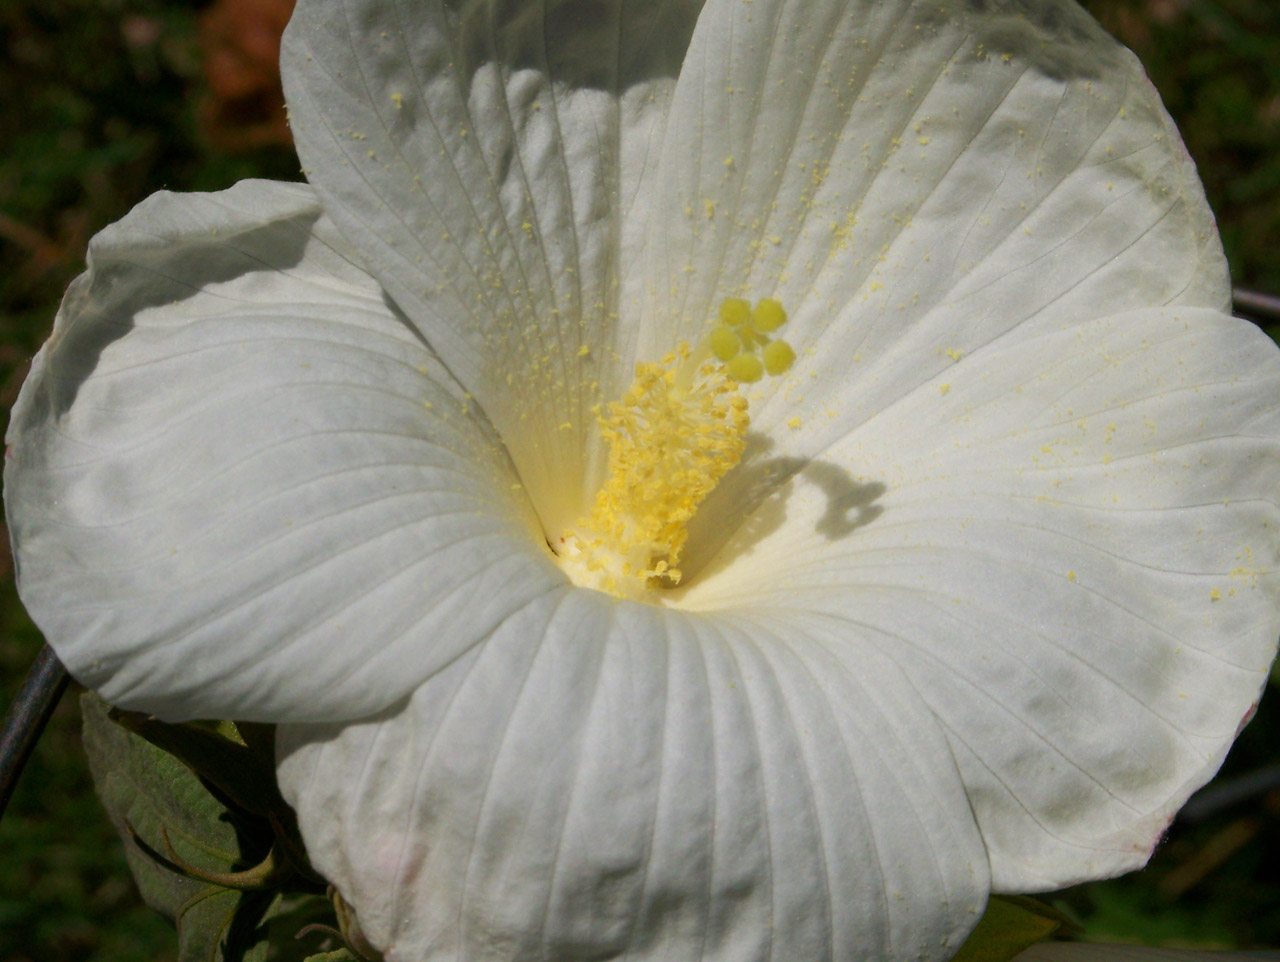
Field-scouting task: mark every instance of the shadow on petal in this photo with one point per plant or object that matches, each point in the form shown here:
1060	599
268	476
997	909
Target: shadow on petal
756	494
131	272
570	36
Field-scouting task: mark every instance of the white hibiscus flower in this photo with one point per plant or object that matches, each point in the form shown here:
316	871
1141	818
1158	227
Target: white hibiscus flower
987	594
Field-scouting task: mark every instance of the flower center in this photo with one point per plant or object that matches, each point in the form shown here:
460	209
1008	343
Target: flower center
675	433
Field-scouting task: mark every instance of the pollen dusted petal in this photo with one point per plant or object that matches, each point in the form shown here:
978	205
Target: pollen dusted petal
479	154
1076	540
1052	189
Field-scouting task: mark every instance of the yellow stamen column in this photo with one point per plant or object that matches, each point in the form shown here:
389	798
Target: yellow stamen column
675	433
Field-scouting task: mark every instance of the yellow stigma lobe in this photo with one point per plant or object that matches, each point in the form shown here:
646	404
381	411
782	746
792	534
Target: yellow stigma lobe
743	331
734	311
778	357
674	434
768	316
746	368
725	344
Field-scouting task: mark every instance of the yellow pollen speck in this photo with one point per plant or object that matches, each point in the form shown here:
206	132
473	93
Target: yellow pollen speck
1071	576
794	423
944	388
398	100
1215	595
584	351
675	432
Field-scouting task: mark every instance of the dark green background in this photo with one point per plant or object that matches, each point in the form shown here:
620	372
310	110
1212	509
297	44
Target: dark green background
99	106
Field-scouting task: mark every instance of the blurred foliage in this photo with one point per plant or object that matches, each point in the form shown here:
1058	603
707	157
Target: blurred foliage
1216	63
210	849
1214	882
105	101
101	102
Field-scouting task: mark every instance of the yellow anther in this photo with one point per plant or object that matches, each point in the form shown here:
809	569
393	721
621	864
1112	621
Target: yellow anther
725	344
778	357
745	368
734	311
676	432
768	316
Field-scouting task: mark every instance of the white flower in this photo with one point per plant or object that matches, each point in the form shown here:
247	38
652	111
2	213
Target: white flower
987	597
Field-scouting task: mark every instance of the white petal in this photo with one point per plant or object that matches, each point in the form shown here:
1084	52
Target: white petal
236	483
608	780
1068	543
493	164
912	179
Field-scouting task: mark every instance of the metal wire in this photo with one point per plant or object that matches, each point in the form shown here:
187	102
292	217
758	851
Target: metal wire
1252	304
26	718
1215	797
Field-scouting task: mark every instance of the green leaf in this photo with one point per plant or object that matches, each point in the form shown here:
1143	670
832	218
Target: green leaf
237	762
286	921
159	806
242	770
1010	925
223	925
172	823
